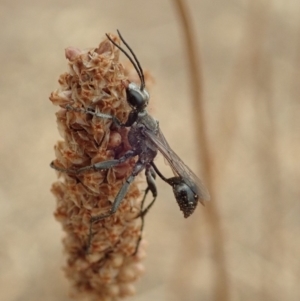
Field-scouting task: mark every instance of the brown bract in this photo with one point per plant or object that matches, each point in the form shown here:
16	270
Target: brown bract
95	80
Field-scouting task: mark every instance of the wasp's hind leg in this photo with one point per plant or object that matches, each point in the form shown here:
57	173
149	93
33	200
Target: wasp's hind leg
118	199
150	177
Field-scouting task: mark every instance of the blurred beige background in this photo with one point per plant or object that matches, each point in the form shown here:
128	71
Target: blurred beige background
250	56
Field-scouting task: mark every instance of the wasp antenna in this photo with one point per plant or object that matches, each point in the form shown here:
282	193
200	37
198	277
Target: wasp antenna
127	55
142	78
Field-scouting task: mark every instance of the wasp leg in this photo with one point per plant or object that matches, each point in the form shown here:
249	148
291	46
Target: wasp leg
97	114
150	177
159	173
118	199
97	166
132	117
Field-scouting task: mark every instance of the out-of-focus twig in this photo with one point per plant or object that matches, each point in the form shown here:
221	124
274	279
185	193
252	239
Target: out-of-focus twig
205	157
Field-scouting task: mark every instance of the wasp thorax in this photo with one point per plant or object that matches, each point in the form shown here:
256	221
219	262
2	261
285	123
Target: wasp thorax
137	98
185	198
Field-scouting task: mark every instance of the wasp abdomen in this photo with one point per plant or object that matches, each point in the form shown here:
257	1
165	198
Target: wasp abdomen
185	197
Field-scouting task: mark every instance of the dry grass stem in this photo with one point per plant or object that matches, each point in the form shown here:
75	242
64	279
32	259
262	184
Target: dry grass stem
205	157
106	271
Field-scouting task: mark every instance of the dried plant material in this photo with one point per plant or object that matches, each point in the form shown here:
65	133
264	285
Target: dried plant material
105	269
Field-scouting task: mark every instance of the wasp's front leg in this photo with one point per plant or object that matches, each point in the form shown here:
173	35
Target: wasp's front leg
97	166
132	117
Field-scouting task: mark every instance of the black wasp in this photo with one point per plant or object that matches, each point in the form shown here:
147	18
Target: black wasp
146	139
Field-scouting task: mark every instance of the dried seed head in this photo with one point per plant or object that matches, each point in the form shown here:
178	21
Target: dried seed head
95	80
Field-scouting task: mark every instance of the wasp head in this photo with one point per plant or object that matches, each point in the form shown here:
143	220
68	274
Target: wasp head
136	97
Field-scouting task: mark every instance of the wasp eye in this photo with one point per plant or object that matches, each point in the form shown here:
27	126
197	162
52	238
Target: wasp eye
136	97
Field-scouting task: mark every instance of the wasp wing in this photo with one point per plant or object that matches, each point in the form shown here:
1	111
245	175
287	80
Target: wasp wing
177	165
